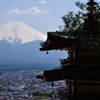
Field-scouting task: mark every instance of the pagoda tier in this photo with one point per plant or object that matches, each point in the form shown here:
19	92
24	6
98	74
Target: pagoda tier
74	72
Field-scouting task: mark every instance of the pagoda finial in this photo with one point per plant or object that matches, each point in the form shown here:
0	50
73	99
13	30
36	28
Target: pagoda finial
90	23
91	6
91	0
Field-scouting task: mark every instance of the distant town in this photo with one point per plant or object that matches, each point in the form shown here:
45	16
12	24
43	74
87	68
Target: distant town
23	85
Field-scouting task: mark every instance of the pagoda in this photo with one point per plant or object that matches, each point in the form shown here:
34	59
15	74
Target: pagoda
81	69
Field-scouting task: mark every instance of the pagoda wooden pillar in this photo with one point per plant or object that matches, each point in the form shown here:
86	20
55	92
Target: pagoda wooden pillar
75	87
69	89
72	84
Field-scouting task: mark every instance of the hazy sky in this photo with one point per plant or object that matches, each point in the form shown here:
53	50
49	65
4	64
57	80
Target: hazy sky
44	15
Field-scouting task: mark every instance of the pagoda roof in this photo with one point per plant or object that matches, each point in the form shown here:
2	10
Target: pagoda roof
56	40
74	72
60	41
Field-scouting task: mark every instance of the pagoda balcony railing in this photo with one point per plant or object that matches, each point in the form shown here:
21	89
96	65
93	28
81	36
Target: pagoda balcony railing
61	34
57	33
76	34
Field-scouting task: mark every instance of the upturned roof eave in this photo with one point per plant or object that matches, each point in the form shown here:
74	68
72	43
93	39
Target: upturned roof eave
57	42
74	72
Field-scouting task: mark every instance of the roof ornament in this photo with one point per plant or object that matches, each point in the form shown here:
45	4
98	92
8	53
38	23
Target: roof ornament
91	22
91	6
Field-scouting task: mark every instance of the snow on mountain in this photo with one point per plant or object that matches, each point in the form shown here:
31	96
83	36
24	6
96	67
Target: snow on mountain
19	32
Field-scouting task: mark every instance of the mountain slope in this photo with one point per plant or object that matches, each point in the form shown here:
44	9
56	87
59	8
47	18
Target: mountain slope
27	54
19	32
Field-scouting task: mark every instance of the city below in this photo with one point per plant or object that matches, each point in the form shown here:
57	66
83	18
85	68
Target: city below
23	85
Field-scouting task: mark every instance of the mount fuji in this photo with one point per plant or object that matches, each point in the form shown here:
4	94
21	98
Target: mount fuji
19	32
20	43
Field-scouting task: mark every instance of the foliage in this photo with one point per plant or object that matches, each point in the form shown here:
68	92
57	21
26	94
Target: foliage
73	21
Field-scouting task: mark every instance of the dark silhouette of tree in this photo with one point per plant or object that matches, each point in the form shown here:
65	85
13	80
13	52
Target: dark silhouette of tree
72	21
84	24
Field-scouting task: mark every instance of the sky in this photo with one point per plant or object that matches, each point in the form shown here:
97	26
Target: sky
44	15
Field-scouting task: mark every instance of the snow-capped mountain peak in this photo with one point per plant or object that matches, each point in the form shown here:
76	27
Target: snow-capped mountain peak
19	32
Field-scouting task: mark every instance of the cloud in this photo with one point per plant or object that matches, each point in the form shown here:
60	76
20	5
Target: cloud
33	11
42	1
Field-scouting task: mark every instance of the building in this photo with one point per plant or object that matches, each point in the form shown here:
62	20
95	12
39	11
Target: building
82	67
